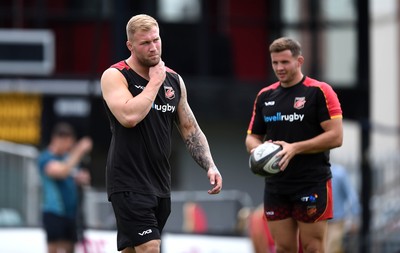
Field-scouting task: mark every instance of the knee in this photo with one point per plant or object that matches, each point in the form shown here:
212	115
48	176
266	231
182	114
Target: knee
313	247
152	246
289	248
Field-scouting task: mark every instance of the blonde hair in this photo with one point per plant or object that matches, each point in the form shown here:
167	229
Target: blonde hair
285	43
140	22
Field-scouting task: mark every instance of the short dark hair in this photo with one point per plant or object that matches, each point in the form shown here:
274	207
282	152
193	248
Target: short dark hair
285	43
63	129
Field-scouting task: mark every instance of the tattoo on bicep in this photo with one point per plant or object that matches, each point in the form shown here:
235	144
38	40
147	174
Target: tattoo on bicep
198	150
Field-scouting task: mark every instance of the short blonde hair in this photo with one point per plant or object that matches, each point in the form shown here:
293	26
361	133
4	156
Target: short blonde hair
140	22
285	43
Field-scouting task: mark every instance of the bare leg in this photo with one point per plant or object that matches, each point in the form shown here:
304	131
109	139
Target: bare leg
129	250
152	246
52	247
313	236
285	235
335	236
61	247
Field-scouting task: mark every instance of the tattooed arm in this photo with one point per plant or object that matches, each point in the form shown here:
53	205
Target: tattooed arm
196	142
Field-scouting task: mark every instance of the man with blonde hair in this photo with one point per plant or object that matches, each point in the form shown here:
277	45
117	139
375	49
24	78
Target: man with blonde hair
144	100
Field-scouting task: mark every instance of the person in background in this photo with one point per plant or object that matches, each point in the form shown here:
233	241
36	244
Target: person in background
304	116
194	218
60	174
144	101
346	209
259	233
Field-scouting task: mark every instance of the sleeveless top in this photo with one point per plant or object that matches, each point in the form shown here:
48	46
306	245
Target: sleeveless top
138	157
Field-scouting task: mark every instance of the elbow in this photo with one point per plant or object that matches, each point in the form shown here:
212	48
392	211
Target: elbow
129	122
248	146
337	142
340	142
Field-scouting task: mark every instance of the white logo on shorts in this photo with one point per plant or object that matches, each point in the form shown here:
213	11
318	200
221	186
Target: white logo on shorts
146	232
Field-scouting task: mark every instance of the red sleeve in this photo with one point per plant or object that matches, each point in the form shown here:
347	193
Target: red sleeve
331	99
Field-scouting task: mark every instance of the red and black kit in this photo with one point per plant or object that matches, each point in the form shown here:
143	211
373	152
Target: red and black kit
138	158
294	114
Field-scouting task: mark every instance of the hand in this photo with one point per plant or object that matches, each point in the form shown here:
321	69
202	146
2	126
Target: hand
215	180
157	73
353	228
286	154
85	145
82	177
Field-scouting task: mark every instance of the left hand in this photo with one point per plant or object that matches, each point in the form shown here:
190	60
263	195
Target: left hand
82	177
286	154
215	180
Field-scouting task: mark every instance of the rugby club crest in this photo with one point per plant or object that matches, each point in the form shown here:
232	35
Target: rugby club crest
311	210
169	92
299	102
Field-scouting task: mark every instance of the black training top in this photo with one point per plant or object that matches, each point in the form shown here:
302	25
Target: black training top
138	157
294	114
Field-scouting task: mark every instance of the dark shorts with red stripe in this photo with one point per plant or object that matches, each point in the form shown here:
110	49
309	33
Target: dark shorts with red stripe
310	205
140	218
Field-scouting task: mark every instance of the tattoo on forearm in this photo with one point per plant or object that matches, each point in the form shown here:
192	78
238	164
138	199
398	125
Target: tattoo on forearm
198	150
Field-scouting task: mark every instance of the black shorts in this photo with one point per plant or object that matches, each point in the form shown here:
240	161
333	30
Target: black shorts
140	218
310	205
59	228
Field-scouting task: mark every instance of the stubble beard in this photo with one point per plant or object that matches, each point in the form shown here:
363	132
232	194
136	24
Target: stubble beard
150	61
287	78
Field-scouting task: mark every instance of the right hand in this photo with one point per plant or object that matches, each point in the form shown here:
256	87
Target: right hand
85	144
157	73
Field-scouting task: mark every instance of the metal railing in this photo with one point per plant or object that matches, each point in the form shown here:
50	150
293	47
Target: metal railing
19	185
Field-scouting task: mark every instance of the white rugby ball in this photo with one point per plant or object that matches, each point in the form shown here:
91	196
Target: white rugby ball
263	160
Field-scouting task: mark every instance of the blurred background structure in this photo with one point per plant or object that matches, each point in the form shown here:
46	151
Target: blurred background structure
52	54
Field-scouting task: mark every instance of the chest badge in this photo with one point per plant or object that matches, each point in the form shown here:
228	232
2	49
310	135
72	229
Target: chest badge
299	102
169	92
